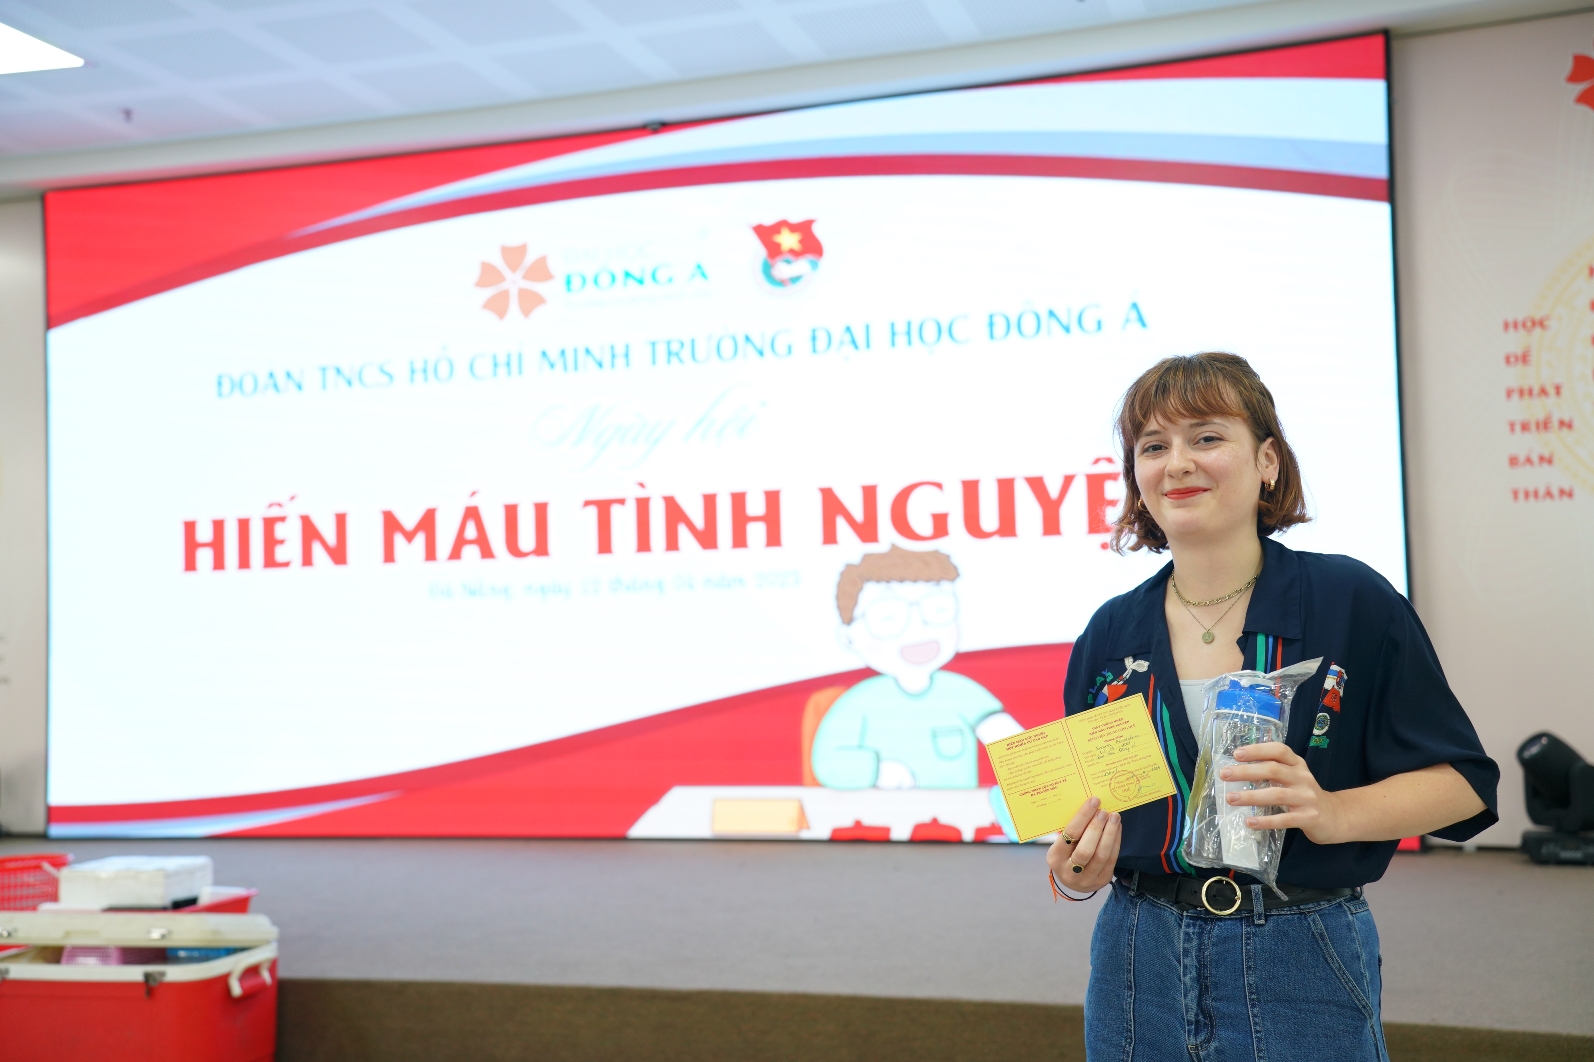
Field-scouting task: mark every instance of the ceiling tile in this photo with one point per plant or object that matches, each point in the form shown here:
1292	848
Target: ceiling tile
406	56
93	14
498	21
719	49
630	12
50	130
436	87
1012	18
81	81
300	101
349	36
171	116
875	30
566	71
206	54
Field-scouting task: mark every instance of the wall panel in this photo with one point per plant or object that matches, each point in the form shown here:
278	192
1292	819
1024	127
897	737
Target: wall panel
1494	208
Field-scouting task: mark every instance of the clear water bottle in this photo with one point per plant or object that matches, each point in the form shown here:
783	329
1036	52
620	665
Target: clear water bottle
1241	708
1241	715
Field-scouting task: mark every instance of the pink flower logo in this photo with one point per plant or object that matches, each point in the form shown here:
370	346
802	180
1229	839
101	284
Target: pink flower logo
513	282
1582	73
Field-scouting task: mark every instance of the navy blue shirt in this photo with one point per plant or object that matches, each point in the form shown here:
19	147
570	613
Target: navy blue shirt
1378	706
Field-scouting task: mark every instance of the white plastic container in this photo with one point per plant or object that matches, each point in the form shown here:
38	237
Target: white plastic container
135	881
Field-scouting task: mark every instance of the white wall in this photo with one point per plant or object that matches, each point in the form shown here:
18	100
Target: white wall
1494	171
22	521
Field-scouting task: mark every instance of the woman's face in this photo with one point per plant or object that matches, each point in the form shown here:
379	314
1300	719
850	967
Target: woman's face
1202	478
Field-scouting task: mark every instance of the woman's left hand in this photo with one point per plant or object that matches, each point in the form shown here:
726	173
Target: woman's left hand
1307	807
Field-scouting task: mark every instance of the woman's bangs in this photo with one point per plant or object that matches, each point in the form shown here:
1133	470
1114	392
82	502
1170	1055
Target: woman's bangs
1182	396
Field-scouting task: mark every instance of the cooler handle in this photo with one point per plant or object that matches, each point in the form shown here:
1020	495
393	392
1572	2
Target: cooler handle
262	967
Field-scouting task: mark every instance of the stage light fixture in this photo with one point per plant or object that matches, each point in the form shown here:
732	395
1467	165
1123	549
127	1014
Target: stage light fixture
20	53
1560	795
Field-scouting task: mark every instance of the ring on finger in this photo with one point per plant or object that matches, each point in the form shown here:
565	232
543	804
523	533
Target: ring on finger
1070	841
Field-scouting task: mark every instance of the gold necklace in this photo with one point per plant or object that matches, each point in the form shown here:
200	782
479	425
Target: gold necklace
1190	606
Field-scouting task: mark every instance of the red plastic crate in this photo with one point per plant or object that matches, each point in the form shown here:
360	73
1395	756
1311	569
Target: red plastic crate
220	1010
26	881
194	1021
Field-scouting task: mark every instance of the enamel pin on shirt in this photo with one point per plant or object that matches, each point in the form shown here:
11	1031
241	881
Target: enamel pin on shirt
1115	690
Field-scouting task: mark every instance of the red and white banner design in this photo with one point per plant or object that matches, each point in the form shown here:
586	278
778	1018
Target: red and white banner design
547	489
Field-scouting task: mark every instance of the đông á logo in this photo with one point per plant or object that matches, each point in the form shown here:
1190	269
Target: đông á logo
513	281
791	252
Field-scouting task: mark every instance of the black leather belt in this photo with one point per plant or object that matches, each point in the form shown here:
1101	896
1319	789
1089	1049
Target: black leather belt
1220	894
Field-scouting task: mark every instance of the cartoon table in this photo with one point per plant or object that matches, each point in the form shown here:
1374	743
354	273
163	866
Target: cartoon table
814	813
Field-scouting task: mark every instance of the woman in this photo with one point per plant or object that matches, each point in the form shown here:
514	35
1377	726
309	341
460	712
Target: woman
1378	747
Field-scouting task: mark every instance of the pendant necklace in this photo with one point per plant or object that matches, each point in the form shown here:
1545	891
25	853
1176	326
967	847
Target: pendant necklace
1191	606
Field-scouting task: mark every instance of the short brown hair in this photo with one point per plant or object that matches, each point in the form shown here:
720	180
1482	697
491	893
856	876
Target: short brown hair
1188	387
895	565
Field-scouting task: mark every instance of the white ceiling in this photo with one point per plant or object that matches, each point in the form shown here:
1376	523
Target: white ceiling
192	85
163	69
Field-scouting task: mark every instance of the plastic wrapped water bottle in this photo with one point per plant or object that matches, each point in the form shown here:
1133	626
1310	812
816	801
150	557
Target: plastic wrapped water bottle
1241	715
1242	708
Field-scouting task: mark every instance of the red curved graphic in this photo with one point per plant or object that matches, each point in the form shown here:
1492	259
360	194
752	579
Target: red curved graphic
1296	181
111	245
1353	58
126	237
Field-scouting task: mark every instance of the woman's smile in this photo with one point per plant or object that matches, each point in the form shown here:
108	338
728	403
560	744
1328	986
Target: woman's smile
1180	493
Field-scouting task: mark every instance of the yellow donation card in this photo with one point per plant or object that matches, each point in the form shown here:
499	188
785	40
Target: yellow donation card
1048	772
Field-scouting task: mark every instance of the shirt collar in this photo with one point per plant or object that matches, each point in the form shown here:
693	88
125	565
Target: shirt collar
1275	606
1137	630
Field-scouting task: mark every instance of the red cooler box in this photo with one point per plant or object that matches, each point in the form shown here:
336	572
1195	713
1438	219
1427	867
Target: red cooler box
221	1009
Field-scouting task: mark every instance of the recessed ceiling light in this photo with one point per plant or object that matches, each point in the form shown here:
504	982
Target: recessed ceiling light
20	53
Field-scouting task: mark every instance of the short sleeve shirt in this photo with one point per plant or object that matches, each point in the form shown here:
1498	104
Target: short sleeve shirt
931	732
1377	706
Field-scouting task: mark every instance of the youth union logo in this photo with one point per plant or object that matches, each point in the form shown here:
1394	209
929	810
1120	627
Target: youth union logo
515	283
791	252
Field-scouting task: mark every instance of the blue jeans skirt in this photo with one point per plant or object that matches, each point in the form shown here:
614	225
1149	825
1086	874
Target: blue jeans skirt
1299	984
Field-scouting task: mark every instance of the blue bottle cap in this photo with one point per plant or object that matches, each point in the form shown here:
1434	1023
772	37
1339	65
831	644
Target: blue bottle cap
1257	700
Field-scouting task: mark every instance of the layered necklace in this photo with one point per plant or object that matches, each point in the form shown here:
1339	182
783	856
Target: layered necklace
1191	606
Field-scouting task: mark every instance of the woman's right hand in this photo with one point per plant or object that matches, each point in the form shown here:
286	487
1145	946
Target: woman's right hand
1087	864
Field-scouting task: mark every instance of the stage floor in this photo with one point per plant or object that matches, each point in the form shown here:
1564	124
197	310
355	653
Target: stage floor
1471	939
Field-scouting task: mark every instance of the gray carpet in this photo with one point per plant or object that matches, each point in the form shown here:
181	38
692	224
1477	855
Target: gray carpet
417	1021
1470	939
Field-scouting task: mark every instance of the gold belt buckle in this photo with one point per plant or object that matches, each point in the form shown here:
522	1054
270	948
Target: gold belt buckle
1233	907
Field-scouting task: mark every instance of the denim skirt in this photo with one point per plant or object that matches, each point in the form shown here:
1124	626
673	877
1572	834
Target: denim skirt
1300	984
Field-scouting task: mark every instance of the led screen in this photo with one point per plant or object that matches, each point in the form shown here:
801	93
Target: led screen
727	480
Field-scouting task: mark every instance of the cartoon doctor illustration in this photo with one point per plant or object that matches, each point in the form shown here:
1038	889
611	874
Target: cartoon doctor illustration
914	724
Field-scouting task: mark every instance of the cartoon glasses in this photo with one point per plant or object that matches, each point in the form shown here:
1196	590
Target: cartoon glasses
888	617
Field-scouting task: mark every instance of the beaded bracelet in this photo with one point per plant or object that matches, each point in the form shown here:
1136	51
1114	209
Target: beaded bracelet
1063	890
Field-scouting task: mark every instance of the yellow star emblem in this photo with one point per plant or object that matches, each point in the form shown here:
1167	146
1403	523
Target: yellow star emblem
789	241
